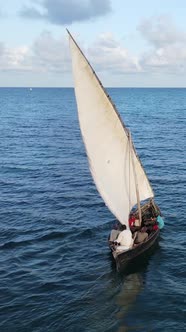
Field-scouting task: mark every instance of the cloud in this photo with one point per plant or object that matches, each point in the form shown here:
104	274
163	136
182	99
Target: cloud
66	12
161	31
47	54
1	49
13	58
50	54
108	55
166	59
164	55
167	45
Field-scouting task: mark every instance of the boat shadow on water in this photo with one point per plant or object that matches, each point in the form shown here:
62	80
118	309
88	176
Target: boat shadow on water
132	283
125	300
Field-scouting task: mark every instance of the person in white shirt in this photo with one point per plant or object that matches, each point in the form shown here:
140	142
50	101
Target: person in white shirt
125	238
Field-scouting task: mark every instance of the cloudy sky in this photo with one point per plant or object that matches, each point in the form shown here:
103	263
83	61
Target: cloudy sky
130	43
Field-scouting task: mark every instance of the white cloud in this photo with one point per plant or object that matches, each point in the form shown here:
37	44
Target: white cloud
161	31
47	54
108	54
51	54
66	12
13	58
165	54
1	49
167	46
169	59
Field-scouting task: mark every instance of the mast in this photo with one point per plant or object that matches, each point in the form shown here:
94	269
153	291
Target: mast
135	178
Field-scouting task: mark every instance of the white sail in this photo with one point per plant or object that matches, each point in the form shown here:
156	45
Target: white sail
107	142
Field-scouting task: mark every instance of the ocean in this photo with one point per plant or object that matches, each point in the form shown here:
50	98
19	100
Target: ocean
56	270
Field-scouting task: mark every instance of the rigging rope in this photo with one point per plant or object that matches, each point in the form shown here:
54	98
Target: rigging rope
91	288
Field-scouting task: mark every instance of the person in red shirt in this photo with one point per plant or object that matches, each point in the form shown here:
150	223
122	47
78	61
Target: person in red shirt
132	220
155	227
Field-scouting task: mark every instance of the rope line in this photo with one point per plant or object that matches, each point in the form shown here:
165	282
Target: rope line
91	288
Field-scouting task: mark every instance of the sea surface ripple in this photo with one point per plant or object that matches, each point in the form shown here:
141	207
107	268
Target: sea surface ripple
56	271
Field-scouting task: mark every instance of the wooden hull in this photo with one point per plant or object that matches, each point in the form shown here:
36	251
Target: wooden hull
124	258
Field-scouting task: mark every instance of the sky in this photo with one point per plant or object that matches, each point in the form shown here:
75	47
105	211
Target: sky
129	43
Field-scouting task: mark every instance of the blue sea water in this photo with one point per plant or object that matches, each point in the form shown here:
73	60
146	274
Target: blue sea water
56	271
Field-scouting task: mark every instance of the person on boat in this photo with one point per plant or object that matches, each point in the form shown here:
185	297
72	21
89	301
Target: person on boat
115	232
124	239
141	236
134	223
151	221
155	227
148	229
132	220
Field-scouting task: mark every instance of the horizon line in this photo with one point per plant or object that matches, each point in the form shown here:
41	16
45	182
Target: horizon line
107	87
